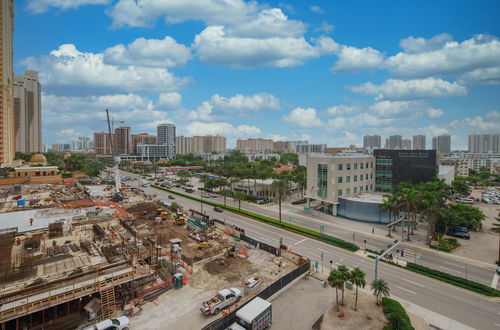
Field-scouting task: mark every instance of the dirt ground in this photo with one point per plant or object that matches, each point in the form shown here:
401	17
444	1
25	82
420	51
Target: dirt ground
144	206
369	316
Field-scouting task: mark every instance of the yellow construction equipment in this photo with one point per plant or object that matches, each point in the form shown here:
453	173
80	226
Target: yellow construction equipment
203	245
230	251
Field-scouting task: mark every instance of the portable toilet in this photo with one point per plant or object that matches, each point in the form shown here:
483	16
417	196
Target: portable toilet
177	280
21	202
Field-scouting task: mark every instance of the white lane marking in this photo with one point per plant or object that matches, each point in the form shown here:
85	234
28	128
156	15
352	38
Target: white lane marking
494	282
406	290
414	283
497	325
297	243
451	270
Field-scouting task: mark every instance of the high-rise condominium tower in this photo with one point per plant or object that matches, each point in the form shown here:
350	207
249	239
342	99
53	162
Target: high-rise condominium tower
7	139
28	112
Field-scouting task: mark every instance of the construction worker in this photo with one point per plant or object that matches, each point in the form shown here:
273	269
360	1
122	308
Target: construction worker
18	241
31	221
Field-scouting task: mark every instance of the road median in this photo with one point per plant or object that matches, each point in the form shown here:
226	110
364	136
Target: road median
290	227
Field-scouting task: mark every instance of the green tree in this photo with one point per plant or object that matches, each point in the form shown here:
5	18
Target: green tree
460	186
409	202
289	157
346	276
460	215
358	279
238	196
280	188
336	280
380	288
391	205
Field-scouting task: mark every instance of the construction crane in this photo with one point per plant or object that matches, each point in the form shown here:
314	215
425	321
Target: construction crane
118	184
113	122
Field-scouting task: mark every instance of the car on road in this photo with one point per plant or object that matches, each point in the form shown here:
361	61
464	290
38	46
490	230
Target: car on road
218	209
189	190
459	234
206	195
214	195
119	323
171	197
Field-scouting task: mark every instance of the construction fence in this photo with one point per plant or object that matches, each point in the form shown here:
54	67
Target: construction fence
268	291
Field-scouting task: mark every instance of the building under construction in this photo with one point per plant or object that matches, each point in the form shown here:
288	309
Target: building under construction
88	266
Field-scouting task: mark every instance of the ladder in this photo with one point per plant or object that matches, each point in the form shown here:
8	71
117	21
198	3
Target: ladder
107	301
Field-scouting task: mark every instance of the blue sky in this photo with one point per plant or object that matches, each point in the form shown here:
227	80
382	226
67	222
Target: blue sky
326	71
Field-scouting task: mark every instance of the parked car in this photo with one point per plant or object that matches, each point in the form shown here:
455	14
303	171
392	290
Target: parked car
189	190
459	229
465	200
171	197
221	300
206	195
218	209
214	195
459	234
119	323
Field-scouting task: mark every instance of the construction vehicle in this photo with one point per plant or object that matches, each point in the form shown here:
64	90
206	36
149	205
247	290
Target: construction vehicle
223	298
203	245
230	251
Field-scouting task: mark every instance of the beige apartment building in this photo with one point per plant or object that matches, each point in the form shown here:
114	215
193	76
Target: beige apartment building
255	146
123	140
200	144
141	138
102	145
7	138
284	146
28	112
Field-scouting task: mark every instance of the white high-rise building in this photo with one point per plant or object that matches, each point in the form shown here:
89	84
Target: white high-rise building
165	135
484	143
442	144
28	112
419	142
372	141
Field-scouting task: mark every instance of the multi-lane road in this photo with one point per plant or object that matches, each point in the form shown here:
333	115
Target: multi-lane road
454	303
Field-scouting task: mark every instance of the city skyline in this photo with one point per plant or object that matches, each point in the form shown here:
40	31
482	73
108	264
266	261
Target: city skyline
186	65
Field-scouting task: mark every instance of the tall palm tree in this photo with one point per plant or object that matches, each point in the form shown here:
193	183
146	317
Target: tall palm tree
336	280
380	288
225	193
391	205
281	188
496	229
358	278
239	195
346	276
409	202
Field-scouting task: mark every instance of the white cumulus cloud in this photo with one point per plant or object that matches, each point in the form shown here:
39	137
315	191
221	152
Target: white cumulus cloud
434	113
222	128
164	52
352	59
342	109
420	45
394	89
256	102
41	6
304	118
67	66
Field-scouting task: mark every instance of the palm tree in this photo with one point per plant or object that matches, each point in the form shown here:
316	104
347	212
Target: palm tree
239	195
358	278
409	202
225	193
336	280
281	188
496	229
391	205
380	288
346	276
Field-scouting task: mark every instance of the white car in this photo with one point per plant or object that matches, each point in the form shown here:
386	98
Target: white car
206	195
465	200
214	195
119	323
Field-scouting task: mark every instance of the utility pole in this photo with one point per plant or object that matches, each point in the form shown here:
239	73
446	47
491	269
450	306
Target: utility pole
377	258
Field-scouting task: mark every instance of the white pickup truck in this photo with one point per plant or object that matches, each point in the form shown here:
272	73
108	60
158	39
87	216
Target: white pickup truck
224	298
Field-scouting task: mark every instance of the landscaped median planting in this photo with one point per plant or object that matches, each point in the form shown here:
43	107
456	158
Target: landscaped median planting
393	307
455	280
301	230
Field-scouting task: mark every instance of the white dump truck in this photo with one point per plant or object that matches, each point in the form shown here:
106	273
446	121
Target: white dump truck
256	315
224	298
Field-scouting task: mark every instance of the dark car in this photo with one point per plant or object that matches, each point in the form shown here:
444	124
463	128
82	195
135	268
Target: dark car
459	234
218	209
189	190
459	229
171	197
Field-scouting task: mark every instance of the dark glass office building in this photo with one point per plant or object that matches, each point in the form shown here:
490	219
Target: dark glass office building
395	166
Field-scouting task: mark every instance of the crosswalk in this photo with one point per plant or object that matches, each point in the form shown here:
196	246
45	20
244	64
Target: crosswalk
409	255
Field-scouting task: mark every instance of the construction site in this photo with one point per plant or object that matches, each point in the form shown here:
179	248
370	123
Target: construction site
71	255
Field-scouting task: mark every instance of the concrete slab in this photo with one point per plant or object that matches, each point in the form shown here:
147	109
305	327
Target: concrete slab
42	218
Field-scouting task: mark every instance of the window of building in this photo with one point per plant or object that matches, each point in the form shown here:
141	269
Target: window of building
371	187
339	192
366	164
355	178
361	177
366	187
361	165
347	166
355	166
371	165
348	178
322	179
348	191
361	189
366	176
339	179
340	167
355	190
371	175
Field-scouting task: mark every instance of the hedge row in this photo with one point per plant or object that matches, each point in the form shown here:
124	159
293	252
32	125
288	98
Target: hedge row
455	280
393	306
297	229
